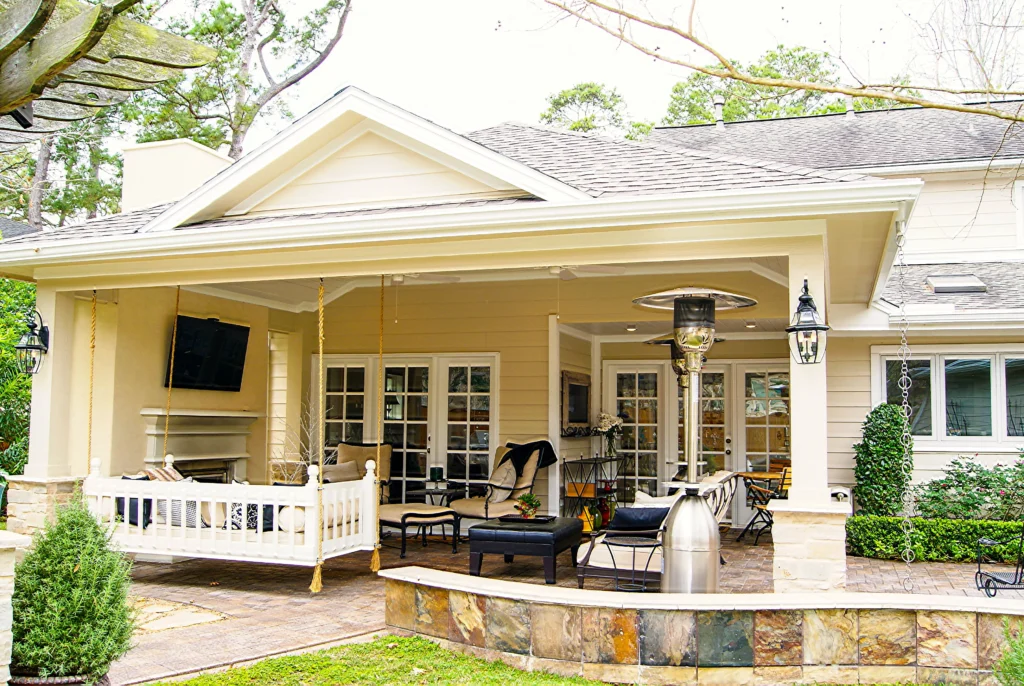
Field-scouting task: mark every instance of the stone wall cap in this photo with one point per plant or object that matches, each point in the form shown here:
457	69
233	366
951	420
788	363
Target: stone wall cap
9	540
22	479
689	601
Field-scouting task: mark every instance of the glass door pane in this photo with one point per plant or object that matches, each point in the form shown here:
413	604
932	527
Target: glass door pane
468	422
636	402
766	420
344	405
713	426
406	405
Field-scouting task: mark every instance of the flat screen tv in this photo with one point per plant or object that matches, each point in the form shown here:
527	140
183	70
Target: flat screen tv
208	355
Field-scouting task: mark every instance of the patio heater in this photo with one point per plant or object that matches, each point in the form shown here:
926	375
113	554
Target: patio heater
691	541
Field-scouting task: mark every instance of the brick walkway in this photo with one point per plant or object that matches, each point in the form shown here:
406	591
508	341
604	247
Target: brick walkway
269	609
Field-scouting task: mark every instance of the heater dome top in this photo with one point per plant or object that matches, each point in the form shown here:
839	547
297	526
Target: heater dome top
665	300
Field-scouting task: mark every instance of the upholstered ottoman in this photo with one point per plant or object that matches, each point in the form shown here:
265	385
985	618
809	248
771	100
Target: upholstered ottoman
545	540
420	515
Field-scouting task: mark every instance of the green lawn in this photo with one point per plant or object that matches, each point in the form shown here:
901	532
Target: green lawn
387	660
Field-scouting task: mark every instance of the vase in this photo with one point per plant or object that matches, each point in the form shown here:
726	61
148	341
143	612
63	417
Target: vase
611	450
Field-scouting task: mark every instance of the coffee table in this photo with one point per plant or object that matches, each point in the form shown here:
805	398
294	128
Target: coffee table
545	540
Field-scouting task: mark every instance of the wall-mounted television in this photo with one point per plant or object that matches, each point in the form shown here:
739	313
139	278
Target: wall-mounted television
209	355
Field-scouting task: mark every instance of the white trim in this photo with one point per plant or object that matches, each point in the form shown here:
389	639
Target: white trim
1018	205
175	142
351	99
955	256
570	330
985	164
554	408
275	233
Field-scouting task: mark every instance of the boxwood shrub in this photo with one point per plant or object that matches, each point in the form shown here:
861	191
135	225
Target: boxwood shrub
933	540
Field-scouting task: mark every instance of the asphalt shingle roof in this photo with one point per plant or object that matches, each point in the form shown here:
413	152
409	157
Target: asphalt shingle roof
604	167
1003	280
12	229
867	139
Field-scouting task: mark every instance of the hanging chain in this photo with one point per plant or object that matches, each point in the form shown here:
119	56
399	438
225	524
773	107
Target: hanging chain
906	439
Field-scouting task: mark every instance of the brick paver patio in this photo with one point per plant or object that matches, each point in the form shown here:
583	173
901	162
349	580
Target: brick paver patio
268	609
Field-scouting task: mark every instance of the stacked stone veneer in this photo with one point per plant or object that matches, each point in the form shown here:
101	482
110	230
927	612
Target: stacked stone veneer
809	551
829	644
31	502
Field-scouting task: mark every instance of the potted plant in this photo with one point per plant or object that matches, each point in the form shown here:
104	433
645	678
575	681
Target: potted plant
72	618
527	504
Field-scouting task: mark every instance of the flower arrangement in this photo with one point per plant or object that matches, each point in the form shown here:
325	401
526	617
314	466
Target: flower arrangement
609	426
527	504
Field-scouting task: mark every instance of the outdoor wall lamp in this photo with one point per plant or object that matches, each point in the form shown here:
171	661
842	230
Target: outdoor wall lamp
807	331
33	345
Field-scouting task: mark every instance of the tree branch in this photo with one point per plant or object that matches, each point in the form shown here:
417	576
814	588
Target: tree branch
892	92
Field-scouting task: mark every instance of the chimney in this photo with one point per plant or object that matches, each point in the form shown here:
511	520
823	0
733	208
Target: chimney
719	102
165	171
850	112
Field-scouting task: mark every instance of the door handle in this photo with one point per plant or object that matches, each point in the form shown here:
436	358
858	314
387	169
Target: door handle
728	451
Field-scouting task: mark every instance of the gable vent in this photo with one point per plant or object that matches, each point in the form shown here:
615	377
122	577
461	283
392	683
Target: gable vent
956	283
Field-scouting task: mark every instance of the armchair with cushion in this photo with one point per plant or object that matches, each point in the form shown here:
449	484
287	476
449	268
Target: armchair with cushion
514	474
359	453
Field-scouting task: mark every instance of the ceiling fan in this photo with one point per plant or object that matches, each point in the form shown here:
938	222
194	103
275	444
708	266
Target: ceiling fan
569	272
399	279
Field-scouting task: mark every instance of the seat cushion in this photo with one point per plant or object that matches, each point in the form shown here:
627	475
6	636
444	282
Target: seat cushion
474	508
502	478
345	471
602	556
392	514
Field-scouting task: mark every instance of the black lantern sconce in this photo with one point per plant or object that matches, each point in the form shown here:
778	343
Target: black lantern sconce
33	345
807	331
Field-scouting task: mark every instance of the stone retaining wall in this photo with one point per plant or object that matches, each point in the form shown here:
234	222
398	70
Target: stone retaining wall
31	502
682	639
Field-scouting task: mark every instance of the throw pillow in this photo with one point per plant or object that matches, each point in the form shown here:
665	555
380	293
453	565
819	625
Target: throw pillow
133	506
634	519
503	478
645	500
191	512
346	471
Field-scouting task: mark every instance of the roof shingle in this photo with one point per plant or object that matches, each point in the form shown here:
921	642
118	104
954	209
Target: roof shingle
1003	280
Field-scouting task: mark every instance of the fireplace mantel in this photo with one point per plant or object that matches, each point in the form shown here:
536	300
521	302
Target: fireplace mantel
200	439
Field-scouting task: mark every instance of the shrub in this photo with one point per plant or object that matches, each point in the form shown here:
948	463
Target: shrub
71	611
879	460
1009	670
968	490
933	540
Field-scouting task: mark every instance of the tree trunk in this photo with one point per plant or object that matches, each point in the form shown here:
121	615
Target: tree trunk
39	182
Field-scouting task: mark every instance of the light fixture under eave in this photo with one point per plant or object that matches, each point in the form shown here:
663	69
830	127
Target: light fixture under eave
33	344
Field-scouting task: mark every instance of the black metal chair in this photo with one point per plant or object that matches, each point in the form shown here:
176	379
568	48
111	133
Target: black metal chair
759	499
991	581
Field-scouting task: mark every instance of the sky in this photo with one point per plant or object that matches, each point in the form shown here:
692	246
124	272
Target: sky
468	64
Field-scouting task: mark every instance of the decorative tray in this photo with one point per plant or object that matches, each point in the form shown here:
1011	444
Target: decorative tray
520	519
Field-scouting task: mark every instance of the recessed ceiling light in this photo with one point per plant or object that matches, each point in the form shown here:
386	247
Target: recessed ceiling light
631	327
750	325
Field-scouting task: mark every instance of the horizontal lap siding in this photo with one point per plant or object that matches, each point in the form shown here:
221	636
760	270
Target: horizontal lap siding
503	318
953	215
849	401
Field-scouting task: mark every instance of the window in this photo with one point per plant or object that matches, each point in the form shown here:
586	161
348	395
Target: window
960	395
920	392
766	415
636	402
406	404
345	387
469	423
712	425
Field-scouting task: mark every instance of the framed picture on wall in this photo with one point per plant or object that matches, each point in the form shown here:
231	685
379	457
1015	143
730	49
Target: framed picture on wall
575	400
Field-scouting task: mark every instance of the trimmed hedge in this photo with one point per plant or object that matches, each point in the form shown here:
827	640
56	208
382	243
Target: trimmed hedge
933	540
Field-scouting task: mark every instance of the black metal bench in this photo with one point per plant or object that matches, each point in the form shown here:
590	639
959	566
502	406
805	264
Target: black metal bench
991	581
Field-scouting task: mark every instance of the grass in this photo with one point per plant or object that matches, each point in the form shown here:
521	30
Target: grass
386	660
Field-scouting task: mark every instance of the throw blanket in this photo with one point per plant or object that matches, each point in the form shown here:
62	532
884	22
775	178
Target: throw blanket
520	455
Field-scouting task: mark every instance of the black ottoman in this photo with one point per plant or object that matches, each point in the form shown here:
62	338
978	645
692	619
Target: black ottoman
546	540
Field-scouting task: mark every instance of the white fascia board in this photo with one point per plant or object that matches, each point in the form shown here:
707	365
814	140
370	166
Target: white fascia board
277	233
385	114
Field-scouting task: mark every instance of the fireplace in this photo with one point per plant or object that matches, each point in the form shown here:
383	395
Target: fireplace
208	445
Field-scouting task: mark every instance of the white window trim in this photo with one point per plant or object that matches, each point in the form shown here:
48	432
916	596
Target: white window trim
437	362
1018	204
999	441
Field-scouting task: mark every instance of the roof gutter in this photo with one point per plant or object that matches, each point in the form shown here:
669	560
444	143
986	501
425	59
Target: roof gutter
291	233
984	164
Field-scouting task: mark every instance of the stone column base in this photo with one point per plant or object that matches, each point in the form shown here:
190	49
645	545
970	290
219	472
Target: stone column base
32	501
810	547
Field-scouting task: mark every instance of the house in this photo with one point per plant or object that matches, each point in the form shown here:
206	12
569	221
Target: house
489	264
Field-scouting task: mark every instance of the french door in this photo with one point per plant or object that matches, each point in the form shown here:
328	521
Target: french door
714	425
637	401
438	411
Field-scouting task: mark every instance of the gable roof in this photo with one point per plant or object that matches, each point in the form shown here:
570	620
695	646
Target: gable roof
234	188
873	138
607	167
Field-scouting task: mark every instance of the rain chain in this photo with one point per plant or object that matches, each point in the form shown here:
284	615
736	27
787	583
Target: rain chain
907	439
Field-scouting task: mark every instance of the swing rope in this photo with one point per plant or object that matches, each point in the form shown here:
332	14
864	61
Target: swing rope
170	370
375	557
317	584
92	369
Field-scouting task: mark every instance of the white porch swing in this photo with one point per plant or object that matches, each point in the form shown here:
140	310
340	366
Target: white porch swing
248	523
